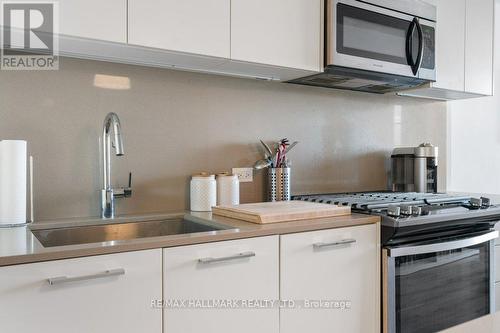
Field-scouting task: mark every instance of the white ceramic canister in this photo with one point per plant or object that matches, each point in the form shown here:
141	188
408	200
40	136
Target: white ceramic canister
228	189
203	192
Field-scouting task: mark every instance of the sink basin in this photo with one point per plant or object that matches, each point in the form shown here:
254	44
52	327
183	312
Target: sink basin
122	231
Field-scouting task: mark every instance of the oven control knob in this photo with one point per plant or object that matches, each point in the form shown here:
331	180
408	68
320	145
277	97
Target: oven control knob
476	203
394	211
406	210
416	211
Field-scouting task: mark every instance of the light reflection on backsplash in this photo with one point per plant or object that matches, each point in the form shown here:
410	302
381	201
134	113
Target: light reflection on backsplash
177	123
111	82
397	126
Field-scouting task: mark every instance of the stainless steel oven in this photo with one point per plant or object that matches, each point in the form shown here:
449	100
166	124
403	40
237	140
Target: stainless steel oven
436	284
438	256
390	37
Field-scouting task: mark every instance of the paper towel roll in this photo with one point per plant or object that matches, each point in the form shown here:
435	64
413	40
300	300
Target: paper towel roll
13	163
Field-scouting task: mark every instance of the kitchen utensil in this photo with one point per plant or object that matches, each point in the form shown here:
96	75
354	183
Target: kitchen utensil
274	212
262	164
266	147
290	147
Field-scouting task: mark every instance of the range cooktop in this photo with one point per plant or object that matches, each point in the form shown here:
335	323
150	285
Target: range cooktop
407	215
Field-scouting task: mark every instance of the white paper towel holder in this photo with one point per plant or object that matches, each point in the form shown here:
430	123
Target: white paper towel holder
32	214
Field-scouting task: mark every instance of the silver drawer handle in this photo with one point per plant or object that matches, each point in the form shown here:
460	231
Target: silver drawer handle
338	243
237	256
65	279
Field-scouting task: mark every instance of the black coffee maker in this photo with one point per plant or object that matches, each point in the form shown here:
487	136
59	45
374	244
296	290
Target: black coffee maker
415	169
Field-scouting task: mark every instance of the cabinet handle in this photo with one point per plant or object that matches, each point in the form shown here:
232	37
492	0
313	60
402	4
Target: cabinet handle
64	279
236	256
338	243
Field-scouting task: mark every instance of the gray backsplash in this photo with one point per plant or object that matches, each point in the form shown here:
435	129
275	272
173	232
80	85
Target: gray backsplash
177	123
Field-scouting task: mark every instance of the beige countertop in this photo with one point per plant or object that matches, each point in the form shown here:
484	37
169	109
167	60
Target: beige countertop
486	324
19	245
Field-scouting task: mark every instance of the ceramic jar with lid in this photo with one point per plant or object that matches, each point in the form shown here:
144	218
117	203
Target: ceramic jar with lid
228	189
203	190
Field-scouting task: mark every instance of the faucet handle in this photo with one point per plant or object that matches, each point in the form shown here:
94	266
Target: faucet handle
124	192
127	192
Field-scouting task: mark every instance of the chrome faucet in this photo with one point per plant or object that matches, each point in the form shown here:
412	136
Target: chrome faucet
108	193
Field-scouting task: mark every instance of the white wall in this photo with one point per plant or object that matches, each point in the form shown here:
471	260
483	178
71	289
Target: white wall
474	138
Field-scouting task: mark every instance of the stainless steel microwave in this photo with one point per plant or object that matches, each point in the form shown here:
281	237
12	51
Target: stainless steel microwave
377	45
394	37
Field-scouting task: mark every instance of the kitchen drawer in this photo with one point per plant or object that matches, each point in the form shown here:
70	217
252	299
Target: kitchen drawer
115	303
244	278
348	273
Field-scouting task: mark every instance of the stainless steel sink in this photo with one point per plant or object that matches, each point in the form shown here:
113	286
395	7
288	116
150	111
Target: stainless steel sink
123	231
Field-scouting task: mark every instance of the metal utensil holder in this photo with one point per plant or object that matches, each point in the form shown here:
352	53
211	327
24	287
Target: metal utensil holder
278	183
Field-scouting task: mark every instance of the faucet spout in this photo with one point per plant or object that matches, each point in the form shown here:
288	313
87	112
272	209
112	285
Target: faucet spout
111	123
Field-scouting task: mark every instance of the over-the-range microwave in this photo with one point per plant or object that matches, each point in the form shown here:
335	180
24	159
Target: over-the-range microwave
377	46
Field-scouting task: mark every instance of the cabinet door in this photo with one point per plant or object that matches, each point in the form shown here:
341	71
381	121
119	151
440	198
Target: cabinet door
190	284
195	26
450	45
479	46
112	303
95	19
347	274
283	33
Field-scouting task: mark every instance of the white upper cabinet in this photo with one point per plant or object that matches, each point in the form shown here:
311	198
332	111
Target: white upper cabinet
450	40
94	19
195	26
101	294
277	32
479	46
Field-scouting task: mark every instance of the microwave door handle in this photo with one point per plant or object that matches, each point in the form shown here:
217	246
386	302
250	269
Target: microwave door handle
414	65
444	246
409	40
420	55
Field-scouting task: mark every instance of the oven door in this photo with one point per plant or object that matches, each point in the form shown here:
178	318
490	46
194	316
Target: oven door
368	37
433	286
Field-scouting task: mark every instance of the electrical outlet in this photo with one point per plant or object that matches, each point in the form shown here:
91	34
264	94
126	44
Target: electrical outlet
245	175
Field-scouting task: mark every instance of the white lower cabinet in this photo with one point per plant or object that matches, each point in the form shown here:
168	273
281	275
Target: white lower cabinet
338	265
198	277
108	293
221	287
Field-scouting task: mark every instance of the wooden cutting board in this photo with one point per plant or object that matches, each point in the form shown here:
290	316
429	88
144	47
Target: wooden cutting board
282	211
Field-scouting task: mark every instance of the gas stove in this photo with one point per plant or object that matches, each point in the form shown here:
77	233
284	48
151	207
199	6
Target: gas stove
407	217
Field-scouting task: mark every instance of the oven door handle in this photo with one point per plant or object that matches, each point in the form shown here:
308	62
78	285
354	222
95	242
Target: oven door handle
444	246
